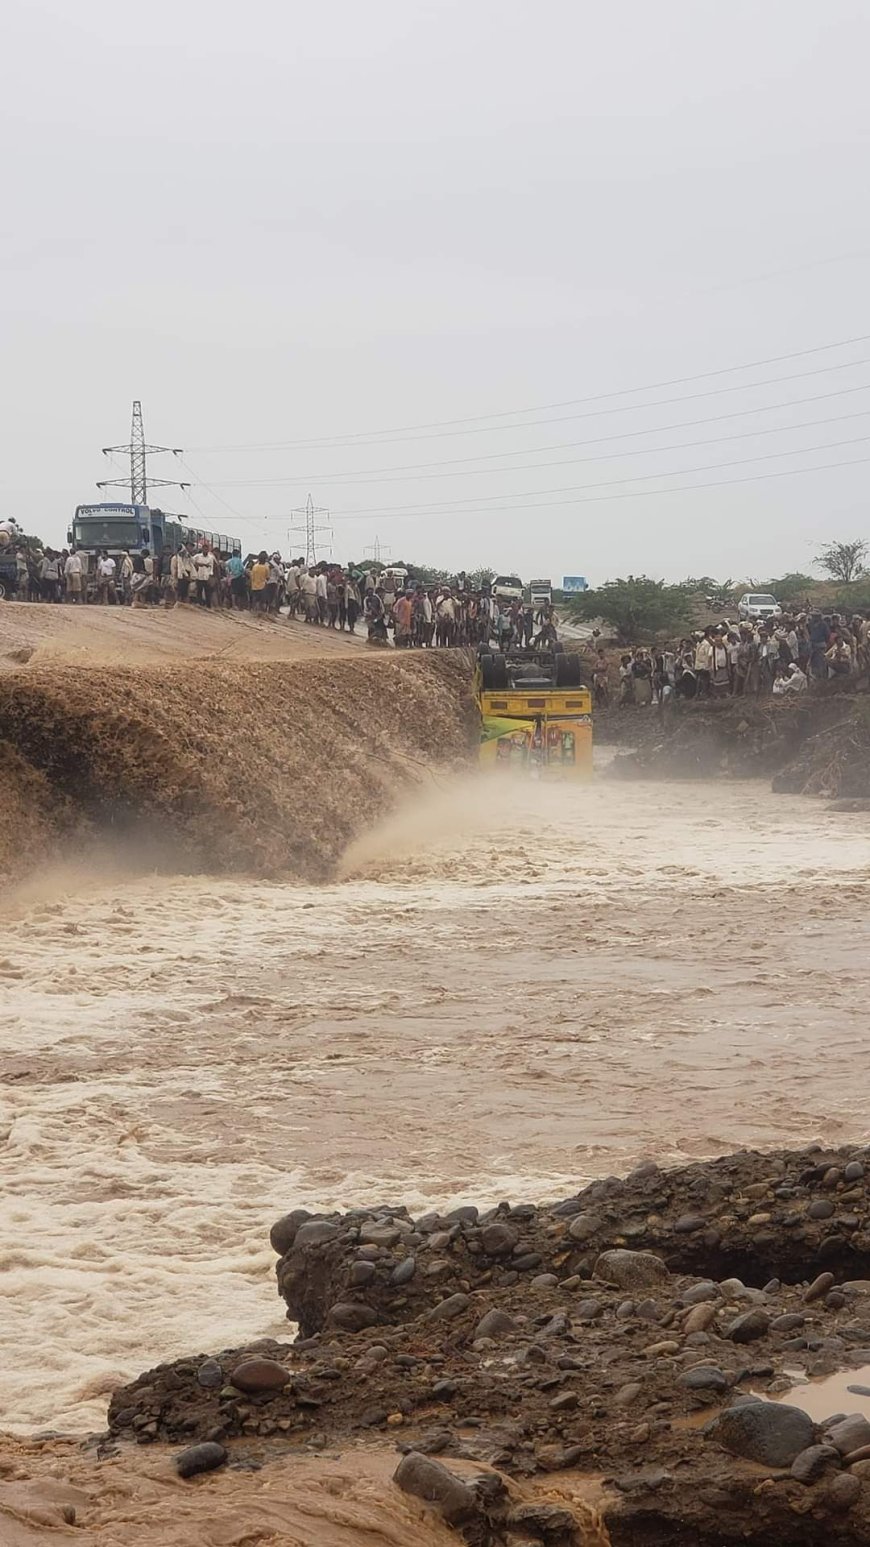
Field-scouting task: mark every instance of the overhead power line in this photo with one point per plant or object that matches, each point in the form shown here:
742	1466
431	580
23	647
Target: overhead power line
372	473
629	494
610	456
636	494
461	506
444	426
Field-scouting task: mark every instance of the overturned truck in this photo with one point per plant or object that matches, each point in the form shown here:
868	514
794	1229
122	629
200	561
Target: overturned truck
536	712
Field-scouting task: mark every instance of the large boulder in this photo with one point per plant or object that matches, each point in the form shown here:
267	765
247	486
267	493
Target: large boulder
631	1270
849	1434
770	1432
429	1480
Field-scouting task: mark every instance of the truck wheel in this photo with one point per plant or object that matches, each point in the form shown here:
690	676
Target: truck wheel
569	671
4	592
493	671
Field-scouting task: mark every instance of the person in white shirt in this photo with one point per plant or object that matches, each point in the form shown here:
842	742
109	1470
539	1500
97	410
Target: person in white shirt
49	576
106	568
796	680
704	663
204	568
275	584
428	612
308	587
445	620
182	572
73	571
321	593
294	587
778	686
125	574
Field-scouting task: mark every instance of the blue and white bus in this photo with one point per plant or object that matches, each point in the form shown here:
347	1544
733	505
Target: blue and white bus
132	528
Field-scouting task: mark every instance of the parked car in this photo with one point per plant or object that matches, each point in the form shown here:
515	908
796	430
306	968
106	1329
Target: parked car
757	606
507	588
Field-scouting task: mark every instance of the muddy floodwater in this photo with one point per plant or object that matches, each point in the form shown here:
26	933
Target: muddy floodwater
511	990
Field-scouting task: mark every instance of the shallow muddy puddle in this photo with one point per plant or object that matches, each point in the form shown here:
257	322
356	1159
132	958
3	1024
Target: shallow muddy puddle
848	1391
513	990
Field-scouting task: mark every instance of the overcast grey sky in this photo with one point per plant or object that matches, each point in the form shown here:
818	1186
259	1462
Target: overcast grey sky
279	223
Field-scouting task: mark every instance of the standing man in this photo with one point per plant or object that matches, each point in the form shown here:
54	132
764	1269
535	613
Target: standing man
148	592
22	576
445	624
704	663
125	574
321	592
204	571
238	581
820	638
49	576
259	582
74	575
308	588
353	603
403	614
182	572
168	589
106	568
275	583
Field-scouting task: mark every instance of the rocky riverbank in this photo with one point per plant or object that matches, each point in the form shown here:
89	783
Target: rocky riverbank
816	744
641	1333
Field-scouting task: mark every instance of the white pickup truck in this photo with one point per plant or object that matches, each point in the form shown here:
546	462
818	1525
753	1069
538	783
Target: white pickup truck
757	607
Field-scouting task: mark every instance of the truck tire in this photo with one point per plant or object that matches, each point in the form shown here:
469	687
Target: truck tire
493	671
569	671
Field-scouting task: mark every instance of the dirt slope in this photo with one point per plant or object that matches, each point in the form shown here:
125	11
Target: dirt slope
35	634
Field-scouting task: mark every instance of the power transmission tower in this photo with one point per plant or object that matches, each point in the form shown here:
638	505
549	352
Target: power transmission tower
313	526
139	453
378	550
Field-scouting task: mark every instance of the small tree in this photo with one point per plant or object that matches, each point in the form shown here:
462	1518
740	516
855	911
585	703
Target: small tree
636	607
478	579
427	574
843	561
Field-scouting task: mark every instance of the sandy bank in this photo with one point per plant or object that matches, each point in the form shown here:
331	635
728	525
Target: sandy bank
37	634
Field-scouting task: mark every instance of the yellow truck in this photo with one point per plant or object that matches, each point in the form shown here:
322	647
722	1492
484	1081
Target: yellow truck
536	713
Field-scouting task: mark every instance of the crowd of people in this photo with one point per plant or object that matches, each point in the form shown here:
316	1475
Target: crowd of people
421	616
781	657
324	595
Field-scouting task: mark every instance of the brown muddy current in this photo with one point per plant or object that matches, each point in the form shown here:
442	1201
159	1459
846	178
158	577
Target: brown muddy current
511	990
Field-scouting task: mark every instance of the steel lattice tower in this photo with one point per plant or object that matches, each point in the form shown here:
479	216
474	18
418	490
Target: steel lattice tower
139	452
313	527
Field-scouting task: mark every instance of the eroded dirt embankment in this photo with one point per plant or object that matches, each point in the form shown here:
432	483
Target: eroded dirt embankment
264	768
